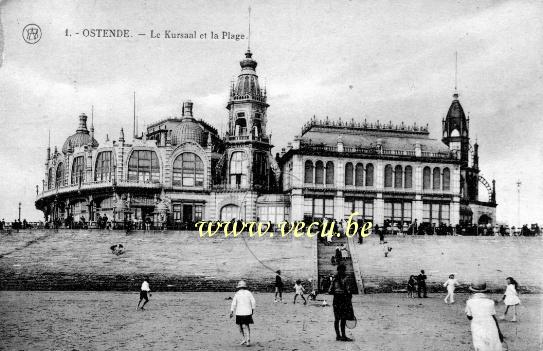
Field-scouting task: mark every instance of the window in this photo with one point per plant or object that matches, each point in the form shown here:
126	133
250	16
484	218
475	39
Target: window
230	212
359	174
308	174
408	177
318	207
319	172
329	172
388	176
436	213
398	211
437	179
104	166
363	206
143	167
59	175
272	213
369	175
238	169
398	176
241	124
50	181
349	173
188	170
426	178
78	166
446	179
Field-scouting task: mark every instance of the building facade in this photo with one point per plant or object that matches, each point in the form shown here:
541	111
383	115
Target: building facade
181	170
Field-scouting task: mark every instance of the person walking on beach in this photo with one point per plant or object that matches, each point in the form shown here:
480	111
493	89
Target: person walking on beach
145	289
411	286
485	330
421	284
342	303
450	284
510	298
278	286
299	290
243	306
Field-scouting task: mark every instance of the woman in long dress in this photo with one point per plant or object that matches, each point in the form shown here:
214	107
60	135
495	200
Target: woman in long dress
485	330
343	306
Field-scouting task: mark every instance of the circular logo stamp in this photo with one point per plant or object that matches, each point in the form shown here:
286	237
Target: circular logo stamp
32	33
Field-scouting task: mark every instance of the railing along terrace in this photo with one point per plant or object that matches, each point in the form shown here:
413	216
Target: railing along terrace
100	184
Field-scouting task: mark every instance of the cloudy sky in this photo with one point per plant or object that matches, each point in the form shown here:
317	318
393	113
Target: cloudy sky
350	59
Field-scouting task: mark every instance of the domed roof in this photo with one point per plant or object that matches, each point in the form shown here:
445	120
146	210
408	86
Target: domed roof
456	110
189	129
247	83
81	137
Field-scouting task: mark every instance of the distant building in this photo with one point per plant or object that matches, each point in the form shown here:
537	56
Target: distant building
181	170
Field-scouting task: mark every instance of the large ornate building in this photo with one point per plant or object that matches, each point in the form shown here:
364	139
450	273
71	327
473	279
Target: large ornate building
181	170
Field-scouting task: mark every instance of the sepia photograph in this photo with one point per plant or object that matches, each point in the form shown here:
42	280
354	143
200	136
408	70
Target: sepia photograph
278	175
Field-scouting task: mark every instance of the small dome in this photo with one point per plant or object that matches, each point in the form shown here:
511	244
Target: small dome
455	110
188	129
81	137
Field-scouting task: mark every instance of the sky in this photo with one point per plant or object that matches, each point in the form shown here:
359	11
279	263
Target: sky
387	61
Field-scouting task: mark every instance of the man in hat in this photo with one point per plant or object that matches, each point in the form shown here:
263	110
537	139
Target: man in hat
481	311
421	284
278	286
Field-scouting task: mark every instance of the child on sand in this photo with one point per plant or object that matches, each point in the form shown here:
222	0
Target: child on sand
243	306
278	287
450	284
145	289
411	286
510	298
299	291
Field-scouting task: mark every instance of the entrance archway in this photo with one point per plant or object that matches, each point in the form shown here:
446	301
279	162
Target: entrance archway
229	212
484	219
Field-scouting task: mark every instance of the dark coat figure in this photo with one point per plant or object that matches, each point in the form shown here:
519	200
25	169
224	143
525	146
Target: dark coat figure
342	303
278	286
421	284
338	256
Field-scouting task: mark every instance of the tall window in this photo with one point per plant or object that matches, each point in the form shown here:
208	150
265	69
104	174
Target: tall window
318	207
359	174
143	166
398	211
308	173
50	181
388	176
329	172
436	213
78	170
408	177
364	207
59	175
446	179
104	166
437	178
349	173
188	170
369	174
398	176
238	169
426	178
319	172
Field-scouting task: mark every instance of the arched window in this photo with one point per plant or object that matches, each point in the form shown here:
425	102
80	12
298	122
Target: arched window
369	174
308	173
319	172
426	178
398	176
446	179
241	126
349	173
437	178
78	170
329	172
359	174
388	176
104	166
59	175
408	177
188	170
50	180
230	212
143	166
238	169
